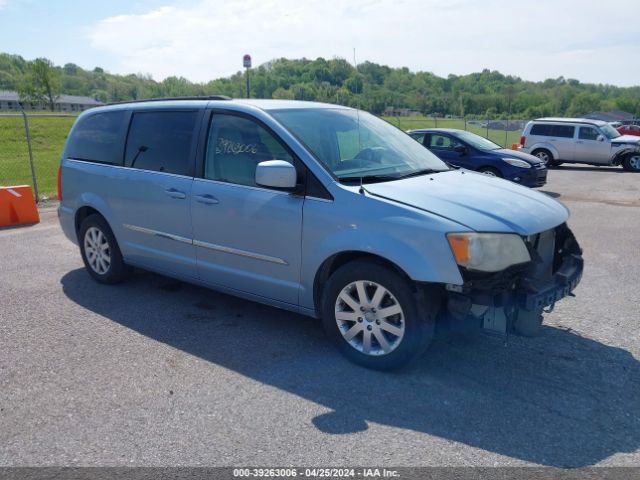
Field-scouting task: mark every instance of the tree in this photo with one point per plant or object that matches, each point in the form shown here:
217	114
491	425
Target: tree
40	83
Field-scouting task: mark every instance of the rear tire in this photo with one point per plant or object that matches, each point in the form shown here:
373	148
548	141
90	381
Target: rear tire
384	330
100	251
632	163
545	156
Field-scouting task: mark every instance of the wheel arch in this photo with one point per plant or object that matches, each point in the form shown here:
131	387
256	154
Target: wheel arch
337	260
82	213
548	147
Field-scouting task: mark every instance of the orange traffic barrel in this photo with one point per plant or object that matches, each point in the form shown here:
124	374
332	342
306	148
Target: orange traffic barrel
17	206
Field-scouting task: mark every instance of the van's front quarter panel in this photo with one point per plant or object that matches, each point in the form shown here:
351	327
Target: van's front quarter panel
414	241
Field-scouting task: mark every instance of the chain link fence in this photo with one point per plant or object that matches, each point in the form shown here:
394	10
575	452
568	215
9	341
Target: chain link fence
30	149
31	144
504	132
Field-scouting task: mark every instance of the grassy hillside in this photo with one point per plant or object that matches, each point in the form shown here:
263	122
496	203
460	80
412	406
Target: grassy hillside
47	139
49	134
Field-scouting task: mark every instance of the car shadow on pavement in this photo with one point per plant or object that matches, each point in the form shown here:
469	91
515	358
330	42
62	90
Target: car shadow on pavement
560	400
586	168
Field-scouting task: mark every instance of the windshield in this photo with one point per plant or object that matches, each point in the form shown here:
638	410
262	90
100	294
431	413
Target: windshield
354	144
476	141
609	132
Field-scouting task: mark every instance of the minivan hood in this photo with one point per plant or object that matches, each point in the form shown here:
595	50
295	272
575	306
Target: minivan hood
477	201
626	139
507	153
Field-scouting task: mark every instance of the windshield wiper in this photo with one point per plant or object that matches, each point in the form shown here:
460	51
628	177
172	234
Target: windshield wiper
368	178
417	173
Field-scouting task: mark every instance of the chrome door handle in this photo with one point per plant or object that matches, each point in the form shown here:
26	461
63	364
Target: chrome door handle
173	193
206	199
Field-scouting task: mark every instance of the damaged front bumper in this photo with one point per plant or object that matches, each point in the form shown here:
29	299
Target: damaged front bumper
493	300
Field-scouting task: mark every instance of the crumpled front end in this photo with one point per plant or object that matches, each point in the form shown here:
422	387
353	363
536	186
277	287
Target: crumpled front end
502	301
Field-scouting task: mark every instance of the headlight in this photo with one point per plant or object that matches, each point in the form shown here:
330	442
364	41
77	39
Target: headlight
517	163
488	252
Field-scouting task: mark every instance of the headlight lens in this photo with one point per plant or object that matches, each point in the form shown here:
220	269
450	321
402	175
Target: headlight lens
517	163
488	252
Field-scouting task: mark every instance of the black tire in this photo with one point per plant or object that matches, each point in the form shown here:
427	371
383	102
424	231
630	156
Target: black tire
116	270
528	323
490	171
416	320
632	163
545	156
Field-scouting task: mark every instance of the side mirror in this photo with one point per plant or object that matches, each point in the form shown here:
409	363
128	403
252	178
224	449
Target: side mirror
460	149
600	138
276	174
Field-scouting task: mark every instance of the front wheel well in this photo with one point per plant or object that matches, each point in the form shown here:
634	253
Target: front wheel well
336	261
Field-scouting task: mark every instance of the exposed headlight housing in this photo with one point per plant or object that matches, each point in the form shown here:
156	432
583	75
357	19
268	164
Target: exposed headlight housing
488	252
517	163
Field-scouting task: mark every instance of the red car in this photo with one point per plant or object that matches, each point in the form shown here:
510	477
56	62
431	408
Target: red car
629	129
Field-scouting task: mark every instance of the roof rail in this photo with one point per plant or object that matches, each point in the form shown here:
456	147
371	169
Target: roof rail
161	99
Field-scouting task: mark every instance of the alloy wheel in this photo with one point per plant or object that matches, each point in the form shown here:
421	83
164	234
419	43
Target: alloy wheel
97	250
369	318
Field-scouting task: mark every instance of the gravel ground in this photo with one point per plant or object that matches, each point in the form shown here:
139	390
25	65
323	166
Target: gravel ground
159	372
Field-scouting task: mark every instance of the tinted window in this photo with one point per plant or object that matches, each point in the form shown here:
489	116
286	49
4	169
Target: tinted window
588	133
562	131
541	129
545	130
161	141
99	138
235	147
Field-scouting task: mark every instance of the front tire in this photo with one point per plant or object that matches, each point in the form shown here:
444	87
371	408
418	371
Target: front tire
372	315
492	172
632	163
100	251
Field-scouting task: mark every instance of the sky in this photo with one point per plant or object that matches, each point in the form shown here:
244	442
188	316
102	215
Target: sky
588	40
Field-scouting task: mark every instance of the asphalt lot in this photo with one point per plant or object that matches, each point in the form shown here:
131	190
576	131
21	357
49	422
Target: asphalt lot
158	372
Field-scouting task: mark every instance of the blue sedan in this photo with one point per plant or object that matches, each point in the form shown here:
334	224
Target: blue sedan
473	152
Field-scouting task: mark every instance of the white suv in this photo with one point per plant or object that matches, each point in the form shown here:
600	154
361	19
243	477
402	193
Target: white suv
580	140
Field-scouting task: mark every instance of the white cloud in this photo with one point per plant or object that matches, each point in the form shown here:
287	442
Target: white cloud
534	40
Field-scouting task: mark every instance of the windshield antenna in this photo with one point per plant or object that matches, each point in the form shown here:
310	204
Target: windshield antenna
355	65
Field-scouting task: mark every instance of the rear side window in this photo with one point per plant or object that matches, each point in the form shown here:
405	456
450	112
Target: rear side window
99	138
161	141
566	131
541	129
546	130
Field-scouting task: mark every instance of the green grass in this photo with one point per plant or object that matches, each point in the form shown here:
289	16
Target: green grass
412	123
48	135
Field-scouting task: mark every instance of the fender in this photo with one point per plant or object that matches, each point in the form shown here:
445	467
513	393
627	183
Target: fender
398	244
619	156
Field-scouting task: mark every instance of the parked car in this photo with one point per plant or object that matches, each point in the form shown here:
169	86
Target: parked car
580	140
629	130
314	208
468	150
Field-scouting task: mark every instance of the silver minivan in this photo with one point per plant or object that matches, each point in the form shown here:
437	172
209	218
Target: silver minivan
319	209
580	140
